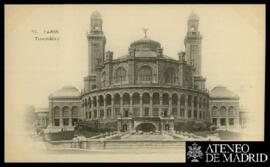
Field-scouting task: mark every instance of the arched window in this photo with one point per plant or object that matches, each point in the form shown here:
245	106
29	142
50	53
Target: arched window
117	99
56	111
182	100
108	99
155	98
89	102
214	111
165	98
189	100
231	111
101	101
170	76
223	111
120	75
95	101
75	112
126	99
136	98
65	111
146	98
174	99
145	73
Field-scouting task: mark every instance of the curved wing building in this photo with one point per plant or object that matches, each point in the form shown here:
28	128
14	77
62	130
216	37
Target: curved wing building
142	90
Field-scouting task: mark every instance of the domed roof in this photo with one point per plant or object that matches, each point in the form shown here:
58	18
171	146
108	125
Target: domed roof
96	15
193	16
145	43
66	91
145	40
222	92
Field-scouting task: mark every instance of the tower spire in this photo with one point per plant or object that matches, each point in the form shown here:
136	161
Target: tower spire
193	42
96	43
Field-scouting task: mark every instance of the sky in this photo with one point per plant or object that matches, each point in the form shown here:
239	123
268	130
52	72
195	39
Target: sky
233	45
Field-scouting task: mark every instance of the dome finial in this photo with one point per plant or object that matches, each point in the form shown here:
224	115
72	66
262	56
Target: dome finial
145	32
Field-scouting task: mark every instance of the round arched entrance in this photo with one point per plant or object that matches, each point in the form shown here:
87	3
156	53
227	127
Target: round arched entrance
146	127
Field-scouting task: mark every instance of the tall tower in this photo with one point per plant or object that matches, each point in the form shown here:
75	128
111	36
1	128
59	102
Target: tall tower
193	43
96	43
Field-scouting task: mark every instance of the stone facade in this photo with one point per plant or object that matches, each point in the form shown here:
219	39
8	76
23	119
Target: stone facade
65	108
144	86
142	89
224	108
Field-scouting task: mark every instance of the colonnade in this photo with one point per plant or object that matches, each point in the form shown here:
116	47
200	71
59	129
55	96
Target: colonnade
145	104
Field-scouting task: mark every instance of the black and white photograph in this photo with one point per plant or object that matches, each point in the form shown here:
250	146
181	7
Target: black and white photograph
131	83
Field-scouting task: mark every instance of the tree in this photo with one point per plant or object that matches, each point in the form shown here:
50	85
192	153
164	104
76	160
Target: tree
29	117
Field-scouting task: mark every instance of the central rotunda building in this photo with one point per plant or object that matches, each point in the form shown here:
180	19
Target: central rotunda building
144	89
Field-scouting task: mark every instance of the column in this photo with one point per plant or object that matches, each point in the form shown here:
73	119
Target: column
192	107
104	108
51	113
178	105
121	105
98	108
61	118
160	106
131	105
141	106
151	105
112	109
70	119
203	110
170	105
88	109
186	107
90	114
83	110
